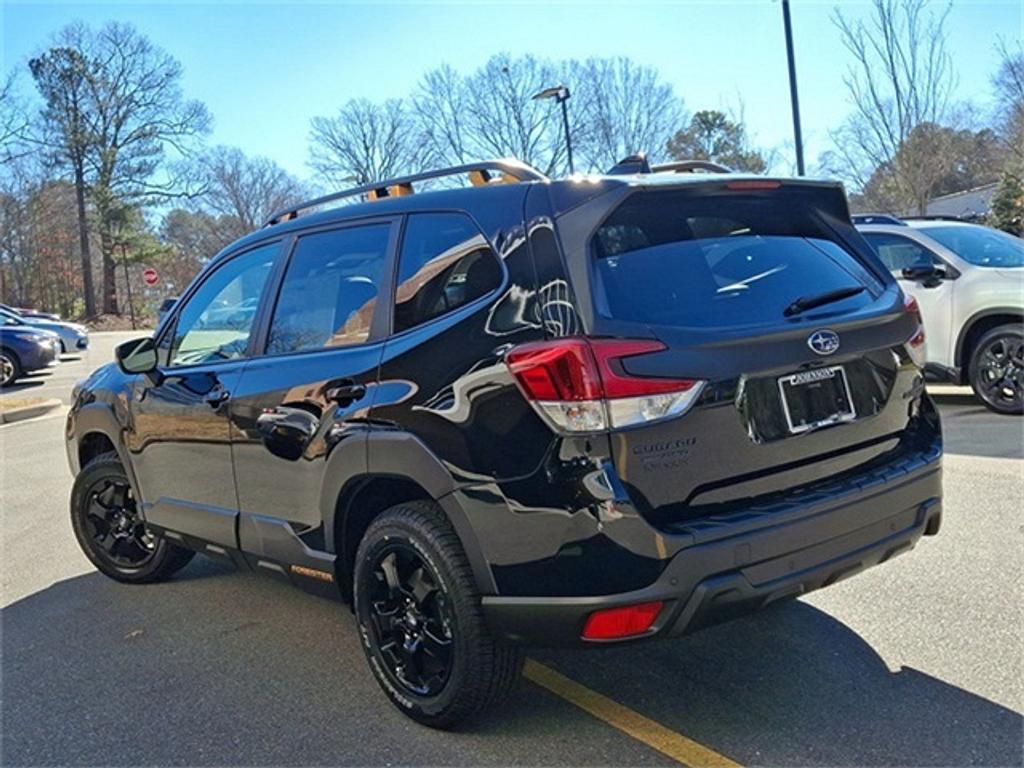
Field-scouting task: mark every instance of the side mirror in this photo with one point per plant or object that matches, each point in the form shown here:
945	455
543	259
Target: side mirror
139	356
929	275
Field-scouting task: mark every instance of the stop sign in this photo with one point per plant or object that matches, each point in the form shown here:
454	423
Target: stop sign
150	277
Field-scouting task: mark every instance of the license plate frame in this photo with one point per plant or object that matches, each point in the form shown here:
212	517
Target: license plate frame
845	412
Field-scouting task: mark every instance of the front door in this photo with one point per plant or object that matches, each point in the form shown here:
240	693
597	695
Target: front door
304	401
935	299
179	431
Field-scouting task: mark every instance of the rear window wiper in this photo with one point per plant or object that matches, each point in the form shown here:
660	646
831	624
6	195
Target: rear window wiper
810	302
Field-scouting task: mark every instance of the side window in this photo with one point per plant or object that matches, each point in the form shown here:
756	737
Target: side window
330	290
445	263
898	252
218	319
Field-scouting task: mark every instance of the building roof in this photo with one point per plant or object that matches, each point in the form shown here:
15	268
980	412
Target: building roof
969	204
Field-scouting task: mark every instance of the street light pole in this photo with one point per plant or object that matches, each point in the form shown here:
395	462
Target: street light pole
794	98
565	125
561	94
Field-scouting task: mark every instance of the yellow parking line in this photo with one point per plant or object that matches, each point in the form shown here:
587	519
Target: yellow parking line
655	735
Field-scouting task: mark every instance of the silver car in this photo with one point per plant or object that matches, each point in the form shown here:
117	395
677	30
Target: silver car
73	336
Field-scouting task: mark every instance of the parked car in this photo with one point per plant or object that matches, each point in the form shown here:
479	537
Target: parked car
552	412
165	307
969	282
73	336
24	348
29	312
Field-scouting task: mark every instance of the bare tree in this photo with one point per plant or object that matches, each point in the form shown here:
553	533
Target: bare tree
901	79
115	113
621	108
14	121
242	192
61	76
491	113
366	142
441	108
1008	84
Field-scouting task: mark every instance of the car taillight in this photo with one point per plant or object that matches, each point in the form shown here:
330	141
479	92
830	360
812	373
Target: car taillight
622	622
580	385
915	342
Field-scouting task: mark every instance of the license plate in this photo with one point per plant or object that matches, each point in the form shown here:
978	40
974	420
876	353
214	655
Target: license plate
816	398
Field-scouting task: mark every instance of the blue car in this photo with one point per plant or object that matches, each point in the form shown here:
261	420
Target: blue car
25	348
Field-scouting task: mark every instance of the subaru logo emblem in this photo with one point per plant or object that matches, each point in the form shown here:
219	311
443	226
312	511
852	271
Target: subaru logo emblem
823	342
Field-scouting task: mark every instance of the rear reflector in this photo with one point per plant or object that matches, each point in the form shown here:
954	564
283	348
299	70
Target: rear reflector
580	384
618	623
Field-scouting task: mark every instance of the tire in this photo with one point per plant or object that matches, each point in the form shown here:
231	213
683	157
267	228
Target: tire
10	368
480	672
101	498
996	369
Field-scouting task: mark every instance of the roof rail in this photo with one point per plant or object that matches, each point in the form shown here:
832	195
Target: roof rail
480	173
691	166
934	217
877	218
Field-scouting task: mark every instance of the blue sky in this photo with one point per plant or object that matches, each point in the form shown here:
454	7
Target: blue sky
264	69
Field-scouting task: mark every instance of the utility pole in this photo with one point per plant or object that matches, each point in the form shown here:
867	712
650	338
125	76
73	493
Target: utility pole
128	283
794	98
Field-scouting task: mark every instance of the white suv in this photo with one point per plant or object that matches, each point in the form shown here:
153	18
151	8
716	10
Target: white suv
969	283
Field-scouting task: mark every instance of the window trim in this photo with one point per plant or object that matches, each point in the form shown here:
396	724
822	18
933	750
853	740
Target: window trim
377	333
467	308
170	325
952	273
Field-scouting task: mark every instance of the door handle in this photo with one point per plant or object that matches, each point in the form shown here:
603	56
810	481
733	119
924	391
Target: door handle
344	391
216	397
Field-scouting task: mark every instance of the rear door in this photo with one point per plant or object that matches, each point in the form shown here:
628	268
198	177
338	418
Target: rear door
736	283
307	396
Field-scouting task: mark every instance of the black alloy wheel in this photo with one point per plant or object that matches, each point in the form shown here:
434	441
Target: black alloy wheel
411	620
997	370
112	520
111	531
421	622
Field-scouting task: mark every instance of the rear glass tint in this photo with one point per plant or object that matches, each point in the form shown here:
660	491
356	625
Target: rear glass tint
672	258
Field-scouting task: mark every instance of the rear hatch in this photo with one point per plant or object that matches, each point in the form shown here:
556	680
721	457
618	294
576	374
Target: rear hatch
765	292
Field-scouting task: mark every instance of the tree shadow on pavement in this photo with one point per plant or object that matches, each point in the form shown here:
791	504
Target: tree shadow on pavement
222	667
218	667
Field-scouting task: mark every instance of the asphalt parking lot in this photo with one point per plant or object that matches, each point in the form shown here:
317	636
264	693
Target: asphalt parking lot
917	662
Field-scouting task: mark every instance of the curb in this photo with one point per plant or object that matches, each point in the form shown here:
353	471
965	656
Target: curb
29	411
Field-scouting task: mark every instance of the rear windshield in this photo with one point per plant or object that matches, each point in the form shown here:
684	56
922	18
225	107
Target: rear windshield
670	258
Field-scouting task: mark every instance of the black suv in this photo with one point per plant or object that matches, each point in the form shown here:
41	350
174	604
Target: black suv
522	412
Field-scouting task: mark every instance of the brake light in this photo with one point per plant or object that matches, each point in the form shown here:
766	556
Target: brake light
580	384
752	184
618	623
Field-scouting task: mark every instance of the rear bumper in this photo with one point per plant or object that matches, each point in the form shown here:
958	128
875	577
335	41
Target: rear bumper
719	580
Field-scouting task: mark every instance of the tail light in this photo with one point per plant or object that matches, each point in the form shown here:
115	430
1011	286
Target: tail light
580	384
622	622
916	342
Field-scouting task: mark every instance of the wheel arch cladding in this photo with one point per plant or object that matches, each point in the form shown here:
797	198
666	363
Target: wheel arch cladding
400	469
978	326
